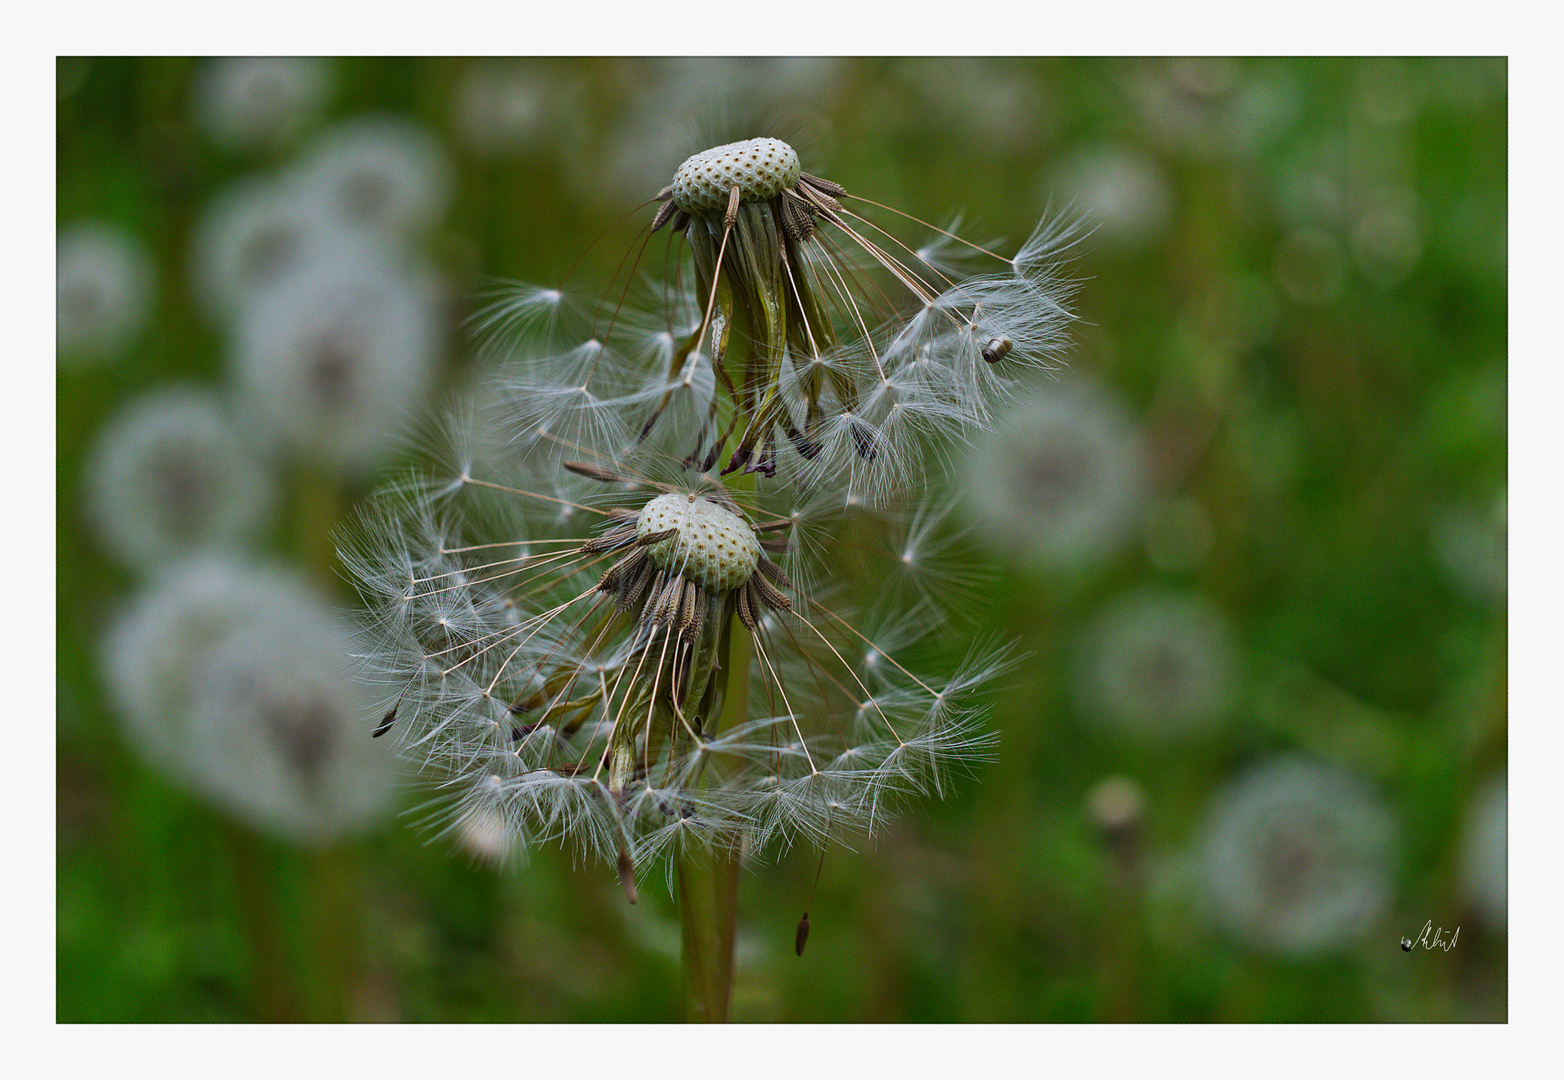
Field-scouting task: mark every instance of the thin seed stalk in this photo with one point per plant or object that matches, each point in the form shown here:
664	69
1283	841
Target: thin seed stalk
709	882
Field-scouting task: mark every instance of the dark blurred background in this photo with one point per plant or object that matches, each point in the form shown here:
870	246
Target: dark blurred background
1253	540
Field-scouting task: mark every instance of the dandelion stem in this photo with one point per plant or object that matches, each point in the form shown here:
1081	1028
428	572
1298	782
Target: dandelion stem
273	1000
708	911
317	507
333	937
709	883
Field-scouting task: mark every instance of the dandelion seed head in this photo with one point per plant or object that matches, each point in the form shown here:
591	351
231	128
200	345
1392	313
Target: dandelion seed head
710	545
584	676
759	168
1298	858
169	475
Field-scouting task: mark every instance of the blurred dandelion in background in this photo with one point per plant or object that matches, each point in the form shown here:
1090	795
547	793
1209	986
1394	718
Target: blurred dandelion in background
257	103
171	475
161	636
501	108
104	283
1119	189
236	681
1299	859
1157	664
276	729
1485	845
335	359
254	235
1471	545
1061	482
382	173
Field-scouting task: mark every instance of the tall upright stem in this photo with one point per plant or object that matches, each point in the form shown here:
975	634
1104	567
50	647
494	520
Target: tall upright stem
709	883
272	998
317	509
332	915
333	934
708	912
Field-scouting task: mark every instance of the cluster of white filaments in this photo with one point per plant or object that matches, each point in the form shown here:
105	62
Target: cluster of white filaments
561	674
585	632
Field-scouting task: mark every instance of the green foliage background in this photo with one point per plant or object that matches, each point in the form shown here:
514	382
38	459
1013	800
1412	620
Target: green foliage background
1324	430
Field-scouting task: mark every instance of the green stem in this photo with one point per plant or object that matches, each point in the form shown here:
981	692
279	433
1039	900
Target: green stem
332	944
709	883
332	915
317	508
272	998
708	911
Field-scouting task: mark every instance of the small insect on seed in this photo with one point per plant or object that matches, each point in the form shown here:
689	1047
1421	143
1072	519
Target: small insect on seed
997	349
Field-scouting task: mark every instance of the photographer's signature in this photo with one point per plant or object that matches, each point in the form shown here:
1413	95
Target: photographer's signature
1432	937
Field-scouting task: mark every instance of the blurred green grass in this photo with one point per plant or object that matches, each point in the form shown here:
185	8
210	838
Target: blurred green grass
1324	429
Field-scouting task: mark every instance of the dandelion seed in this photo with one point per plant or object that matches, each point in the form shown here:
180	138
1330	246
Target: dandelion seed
103	290
1298	858
170	475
